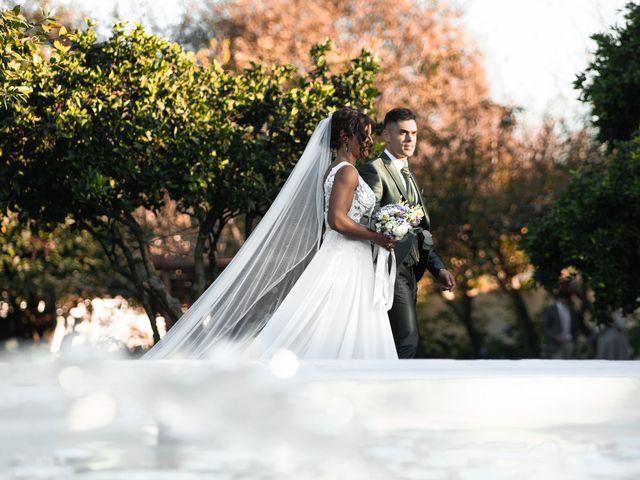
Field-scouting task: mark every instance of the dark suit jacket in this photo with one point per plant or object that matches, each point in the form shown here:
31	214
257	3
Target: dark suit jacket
553	326
386	183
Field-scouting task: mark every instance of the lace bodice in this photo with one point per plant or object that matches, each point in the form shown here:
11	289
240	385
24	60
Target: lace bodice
363	199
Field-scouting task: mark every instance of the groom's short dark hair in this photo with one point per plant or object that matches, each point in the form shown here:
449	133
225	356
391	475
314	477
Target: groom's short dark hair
398	114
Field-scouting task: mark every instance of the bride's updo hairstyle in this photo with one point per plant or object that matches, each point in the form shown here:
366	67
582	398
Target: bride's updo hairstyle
347	122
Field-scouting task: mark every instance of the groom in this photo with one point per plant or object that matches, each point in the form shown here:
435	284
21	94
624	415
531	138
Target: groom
392	182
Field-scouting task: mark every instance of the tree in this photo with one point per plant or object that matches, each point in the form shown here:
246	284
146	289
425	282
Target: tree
85	140
611	82
42	267
430	63
592	228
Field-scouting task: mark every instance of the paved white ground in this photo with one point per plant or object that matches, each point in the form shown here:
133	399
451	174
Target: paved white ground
87	418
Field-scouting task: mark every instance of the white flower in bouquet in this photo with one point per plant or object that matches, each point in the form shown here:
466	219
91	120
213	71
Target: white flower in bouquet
401	229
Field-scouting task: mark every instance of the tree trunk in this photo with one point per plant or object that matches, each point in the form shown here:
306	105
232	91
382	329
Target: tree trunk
170	307
248	225
213	244
463	309
199	278
151	313
531	340
204	232
110	239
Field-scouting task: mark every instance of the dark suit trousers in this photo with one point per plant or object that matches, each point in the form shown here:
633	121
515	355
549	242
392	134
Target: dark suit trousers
402	316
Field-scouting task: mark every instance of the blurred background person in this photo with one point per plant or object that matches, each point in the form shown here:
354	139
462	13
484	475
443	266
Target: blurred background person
562	324
612	343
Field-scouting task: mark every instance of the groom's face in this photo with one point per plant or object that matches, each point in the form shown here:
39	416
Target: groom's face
400	138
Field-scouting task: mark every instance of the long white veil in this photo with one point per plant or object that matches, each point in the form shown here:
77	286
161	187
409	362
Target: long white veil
242	299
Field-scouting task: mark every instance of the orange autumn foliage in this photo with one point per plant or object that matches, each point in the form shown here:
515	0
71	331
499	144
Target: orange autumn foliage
429	63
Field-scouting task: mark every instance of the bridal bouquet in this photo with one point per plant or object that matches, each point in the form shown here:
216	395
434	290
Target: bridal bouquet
394	221
397	219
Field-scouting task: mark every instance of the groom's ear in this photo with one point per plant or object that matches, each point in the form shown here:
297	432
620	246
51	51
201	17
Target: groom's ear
385	135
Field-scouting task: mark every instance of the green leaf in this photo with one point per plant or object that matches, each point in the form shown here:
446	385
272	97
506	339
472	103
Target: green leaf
59	46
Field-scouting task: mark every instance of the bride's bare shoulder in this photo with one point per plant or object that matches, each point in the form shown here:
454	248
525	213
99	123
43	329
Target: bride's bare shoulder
335	169
347	173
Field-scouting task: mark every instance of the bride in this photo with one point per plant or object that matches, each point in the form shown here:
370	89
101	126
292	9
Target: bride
291	287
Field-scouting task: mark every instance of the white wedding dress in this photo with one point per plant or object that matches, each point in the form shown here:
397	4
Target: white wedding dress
329	313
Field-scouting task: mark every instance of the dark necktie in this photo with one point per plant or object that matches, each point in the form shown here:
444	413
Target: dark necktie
412	197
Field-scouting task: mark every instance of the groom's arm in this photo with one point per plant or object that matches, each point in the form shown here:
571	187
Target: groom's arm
429	260
370	175
437	269
434	263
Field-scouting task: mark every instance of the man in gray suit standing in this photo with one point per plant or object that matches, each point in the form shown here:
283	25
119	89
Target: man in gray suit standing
391	180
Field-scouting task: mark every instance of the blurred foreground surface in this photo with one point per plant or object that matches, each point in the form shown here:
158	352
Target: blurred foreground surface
91	418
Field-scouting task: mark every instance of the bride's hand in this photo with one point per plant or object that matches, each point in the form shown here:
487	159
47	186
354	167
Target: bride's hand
384	242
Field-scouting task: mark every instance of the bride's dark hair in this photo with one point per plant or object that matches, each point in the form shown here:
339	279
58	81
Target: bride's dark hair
348	122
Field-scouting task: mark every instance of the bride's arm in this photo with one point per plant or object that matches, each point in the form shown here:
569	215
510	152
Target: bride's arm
344	184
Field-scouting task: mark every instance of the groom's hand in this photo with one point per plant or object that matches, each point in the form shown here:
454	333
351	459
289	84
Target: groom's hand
447	280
